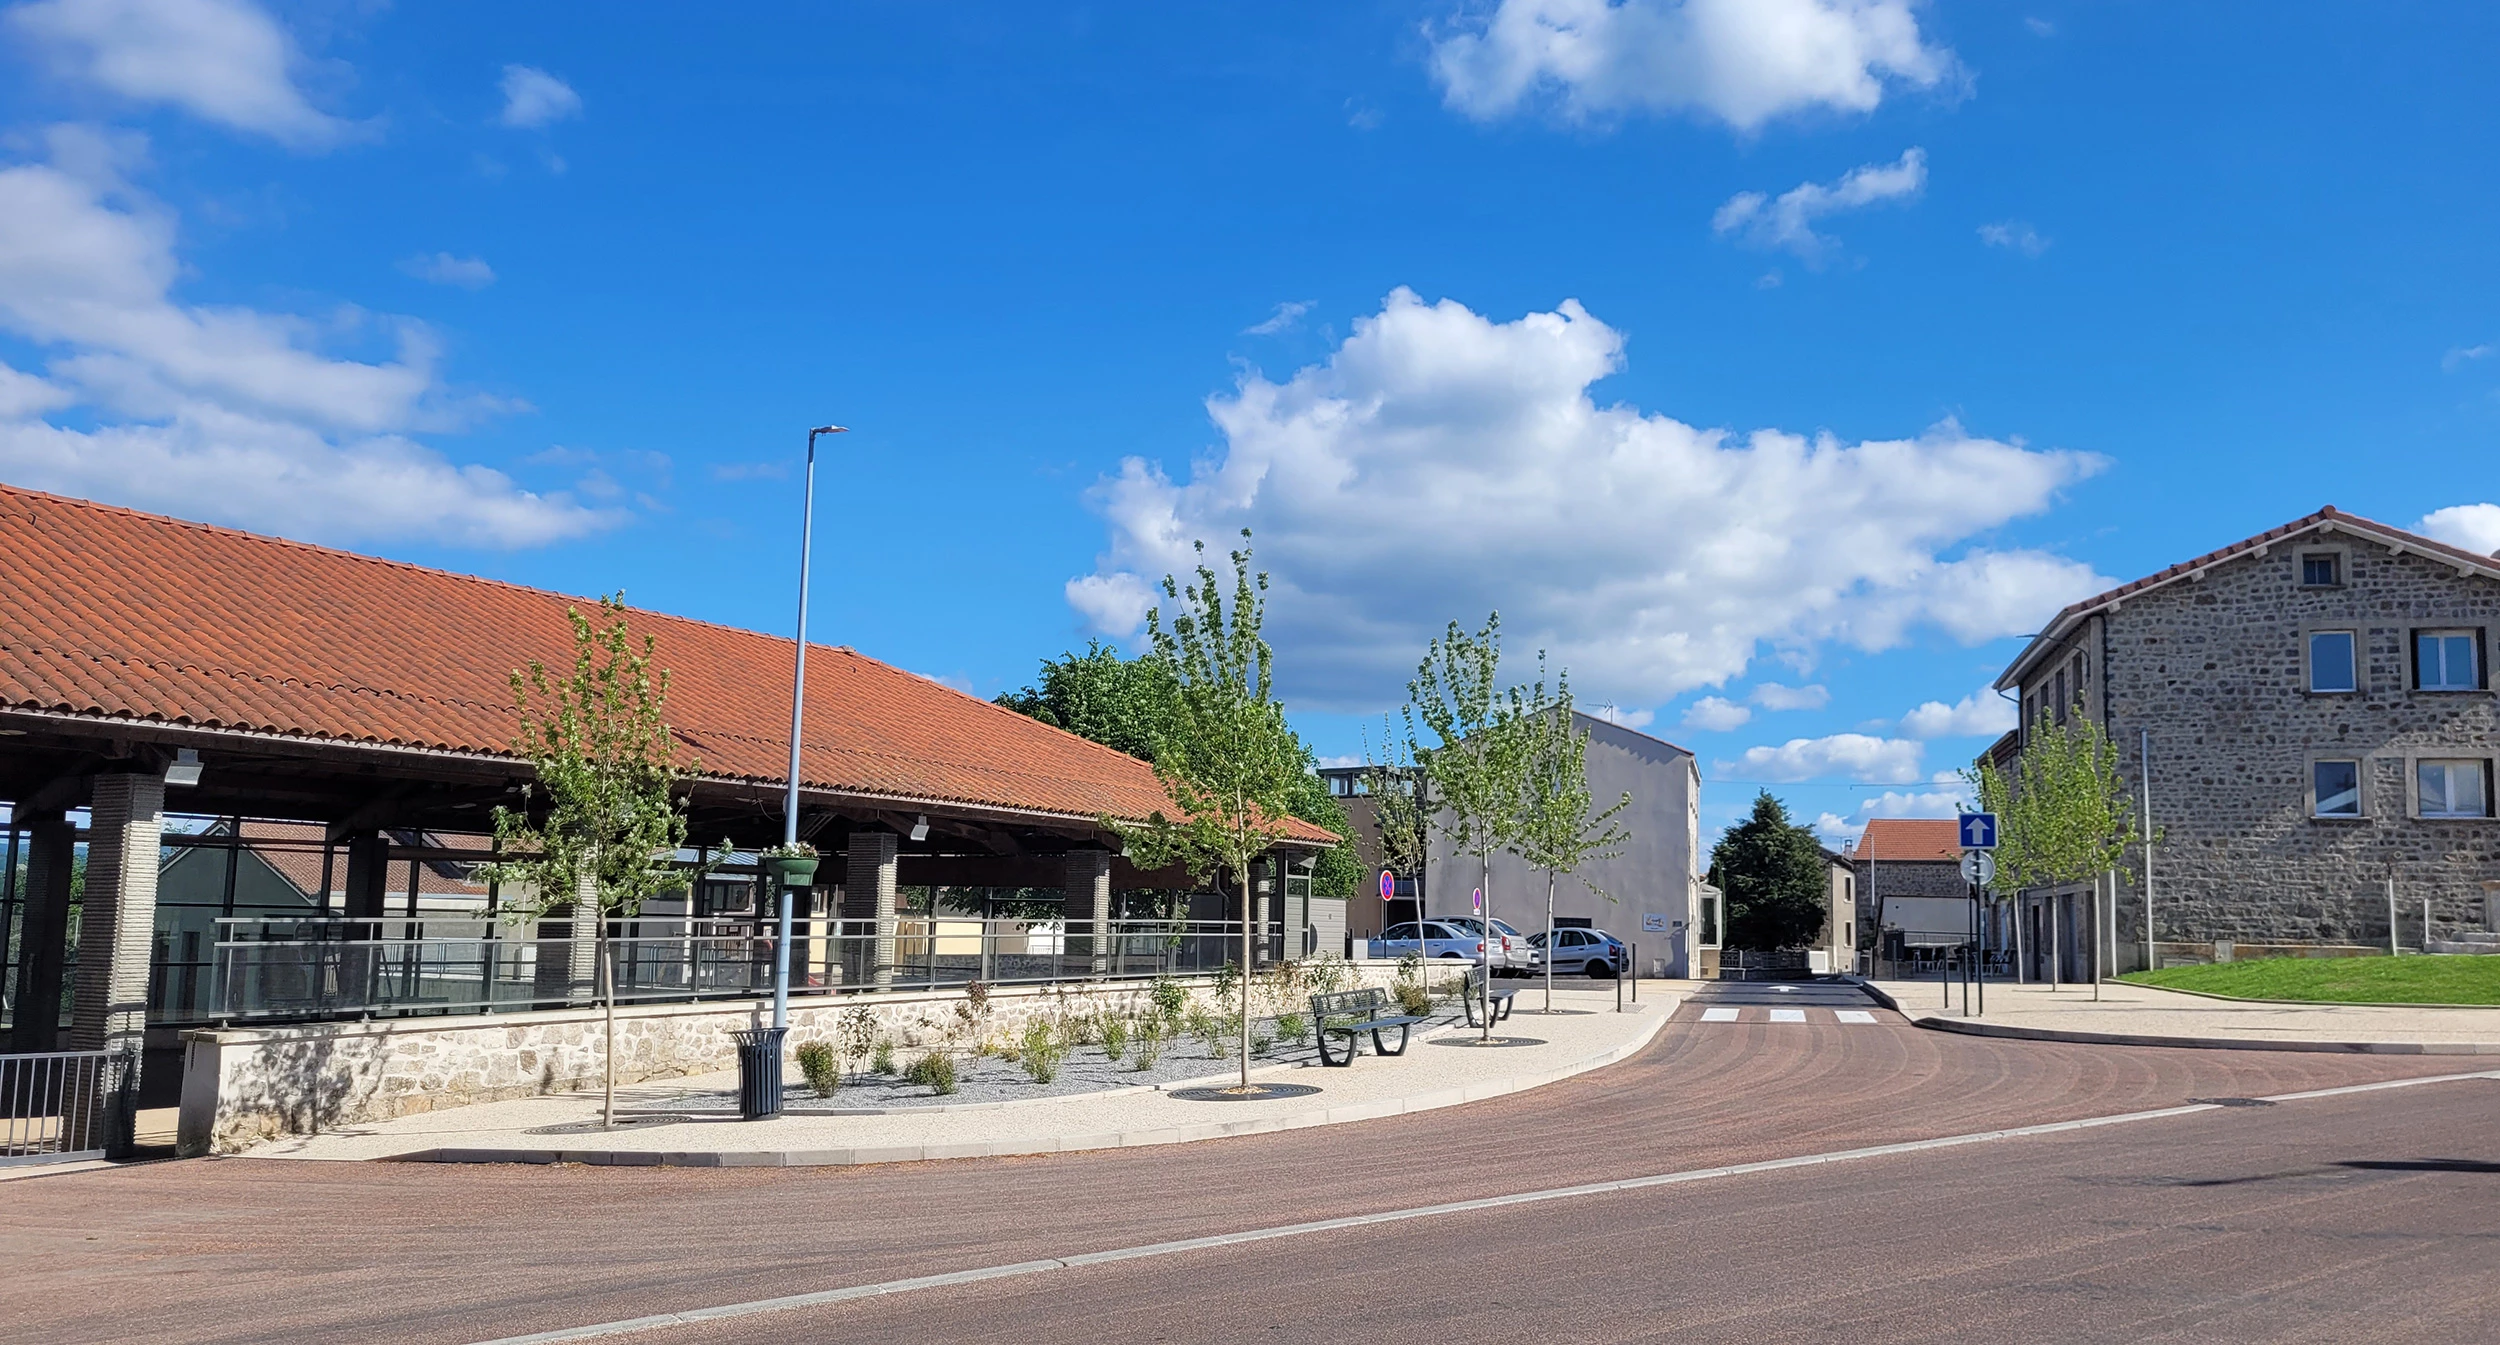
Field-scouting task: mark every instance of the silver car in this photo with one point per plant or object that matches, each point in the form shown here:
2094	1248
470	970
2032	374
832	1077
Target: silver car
1513	952
1584	952
1439	940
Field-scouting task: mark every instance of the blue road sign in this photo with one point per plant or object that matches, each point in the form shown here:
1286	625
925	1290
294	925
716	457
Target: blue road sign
1979	831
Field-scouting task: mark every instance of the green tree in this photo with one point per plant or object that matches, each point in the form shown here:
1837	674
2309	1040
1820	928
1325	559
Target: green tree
1227	759
2064	816
600	827
1130	703
1119	702
1560	829
1776	878
1475	762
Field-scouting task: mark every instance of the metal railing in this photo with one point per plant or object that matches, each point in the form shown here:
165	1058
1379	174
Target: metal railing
320	969
54	1107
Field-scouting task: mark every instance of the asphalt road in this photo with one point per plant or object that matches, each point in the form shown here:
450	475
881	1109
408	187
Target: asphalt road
2238	1223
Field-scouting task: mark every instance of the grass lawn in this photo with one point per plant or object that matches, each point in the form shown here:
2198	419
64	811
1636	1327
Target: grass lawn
2437	979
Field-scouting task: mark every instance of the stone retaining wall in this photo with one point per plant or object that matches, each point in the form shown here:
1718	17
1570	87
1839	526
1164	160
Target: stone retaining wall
244	1085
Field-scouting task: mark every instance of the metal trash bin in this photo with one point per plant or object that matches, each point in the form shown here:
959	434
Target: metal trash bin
759	1072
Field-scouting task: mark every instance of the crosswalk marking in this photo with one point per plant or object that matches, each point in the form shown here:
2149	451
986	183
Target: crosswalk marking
1854	1015
1788	1015
1719	1015
1757	1013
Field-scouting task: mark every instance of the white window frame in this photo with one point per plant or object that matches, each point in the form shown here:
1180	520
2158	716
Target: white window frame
2343	566
2309	661
2360	787
1713	911
2474	642
2413	786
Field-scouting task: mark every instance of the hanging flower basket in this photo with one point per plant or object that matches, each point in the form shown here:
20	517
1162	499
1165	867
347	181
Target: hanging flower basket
793	866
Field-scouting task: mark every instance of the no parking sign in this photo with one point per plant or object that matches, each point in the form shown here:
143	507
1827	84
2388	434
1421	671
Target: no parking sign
1388	885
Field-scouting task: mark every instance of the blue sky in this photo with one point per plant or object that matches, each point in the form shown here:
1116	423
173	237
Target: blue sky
1773	363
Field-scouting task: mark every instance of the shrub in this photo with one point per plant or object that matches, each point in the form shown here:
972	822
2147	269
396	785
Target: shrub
934	1071
1149	1043
1261	1043
855	1034
1115	1038
1292	1027
1170	999
1204	1027
1043	1050
823	1068
1413	1000
1227	982
882	1058
1328	975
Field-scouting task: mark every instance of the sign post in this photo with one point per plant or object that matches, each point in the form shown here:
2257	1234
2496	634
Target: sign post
1979	869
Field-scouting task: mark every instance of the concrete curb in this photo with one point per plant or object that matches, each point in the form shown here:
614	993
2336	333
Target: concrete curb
1969	1028
1125	1139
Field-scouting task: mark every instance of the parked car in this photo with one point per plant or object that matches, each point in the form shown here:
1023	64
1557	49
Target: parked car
1512	952
1439	940
1589	952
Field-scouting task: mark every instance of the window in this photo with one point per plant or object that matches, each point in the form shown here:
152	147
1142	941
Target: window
2453	788
2321	569
2331	662
2061	696
1710	920
2335	788
2444	660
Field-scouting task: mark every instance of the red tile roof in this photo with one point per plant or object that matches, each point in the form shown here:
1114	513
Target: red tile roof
120	614
1910	838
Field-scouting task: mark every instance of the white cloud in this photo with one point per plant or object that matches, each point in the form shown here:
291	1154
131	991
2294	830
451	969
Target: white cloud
1857	756
1787	223
532	97
2014	236
226	61
442	268
2464	355
1286	316
1441	464
1715	714
1743	62
1838	831
1773	696
227	414
2476	527
2040	27
1982	712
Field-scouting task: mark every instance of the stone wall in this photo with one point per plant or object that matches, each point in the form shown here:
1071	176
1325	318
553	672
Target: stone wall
2215	668
245	1085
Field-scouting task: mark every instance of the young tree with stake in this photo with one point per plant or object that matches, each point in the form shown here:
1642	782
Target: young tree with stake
1475	764
1557	830
2065	816
599	830
1228	761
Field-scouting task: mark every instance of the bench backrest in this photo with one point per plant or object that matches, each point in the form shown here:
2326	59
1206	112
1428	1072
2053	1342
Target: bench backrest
1476	978
1348	1004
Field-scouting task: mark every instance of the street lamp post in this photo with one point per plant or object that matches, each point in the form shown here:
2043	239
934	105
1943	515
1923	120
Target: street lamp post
798	706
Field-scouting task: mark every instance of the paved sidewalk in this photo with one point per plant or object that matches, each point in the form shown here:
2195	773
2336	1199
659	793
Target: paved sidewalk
2138	1015
1434	1072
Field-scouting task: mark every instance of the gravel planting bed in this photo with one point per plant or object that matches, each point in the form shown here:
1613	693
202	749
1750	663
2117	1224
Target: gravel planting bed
982	1081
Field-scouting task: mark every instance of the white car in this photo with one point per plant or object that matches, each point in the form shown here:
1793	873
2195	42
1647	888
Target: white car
1512	953
1440	940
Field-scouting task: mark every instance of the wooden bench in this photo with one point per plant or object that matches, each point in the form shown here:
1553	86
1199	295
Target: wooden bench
1497	1005
1349	1012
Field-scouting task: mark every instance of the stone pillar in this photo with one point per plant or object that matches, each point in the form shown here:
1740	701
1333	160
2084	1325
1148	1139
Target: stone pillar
44	934
869	882
116	934
1088	898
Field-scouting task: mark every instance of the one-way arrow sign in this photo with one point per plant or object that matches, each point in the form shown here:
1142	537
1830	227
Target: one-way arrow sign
1979	831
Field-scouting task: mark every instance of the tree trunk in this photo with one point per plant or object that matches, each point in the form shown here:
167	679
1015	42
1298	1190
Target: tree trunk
1549	940
1245	979
1484	945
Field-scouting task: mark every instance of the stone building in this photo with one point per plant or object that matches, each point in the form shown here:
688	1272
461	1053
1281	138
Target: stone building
2316	704
1910	891
1653	890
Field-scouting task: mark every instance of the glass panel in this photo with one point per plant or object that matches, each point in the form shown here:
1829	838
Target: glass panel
2330	661
1710	922
2317	570
2445	661
2451	788
2339	788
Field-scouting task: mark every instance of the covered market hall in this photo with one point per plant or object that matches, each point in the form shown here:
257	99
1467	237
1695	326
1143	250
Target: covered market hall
249	781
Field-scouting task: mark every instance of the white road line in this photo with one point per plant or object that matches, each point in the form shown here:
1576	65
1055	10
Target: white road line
1788	1015
1721	1014
1854	1015
793	1301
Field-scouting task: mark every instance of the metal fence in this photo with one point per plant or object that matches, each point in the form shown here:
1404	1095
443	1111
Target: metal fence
54	1105
315	969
